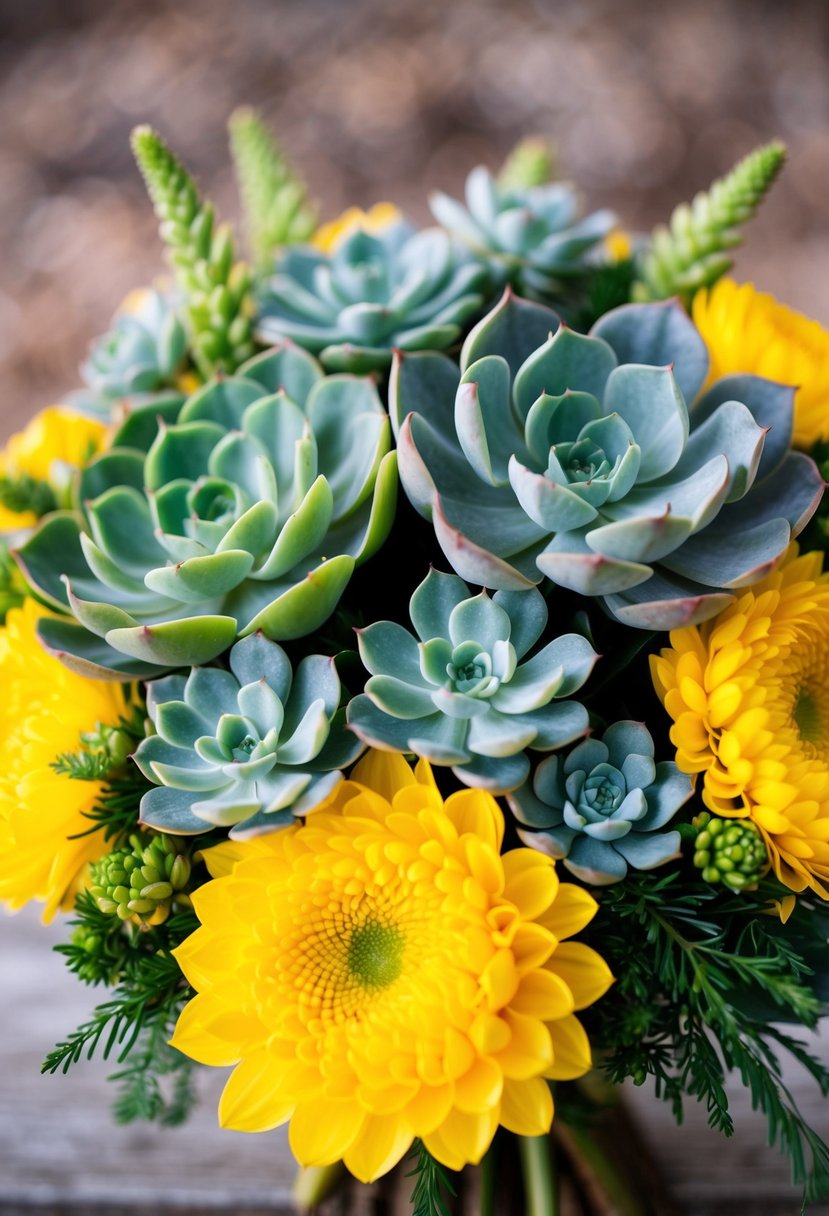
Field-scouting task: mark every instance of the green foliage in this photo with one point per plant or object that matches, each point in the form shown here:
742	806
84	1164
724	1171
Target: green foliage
432	1188
276	206
104	751
13	589
730	851
26	493
690	252
138	1018
214	285
532	162
695	1000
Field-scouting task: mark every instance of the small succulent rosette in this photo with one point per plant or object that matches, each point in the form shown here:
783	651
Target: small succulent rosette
397	288
247	749
463	693
532	238
140	354
602	808
589	459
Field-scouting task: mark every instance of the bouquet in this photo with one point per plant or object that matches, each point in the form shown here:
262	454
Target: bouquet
415	655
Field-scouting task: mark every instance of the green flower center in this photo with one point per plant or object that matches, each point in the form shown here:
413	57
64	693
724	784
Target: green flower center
809	715
375	954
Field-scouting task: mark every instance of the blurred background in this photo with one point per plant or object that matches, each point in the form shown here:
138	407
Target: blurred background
646	101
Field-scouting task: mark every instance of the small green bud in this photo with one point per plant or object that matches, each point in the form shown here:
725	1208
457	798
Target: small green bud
730	851
141	880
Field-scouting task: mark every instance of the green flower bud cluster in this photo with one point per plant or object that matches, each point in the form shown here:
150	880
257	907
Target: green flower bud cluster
12	587
140	881
730	851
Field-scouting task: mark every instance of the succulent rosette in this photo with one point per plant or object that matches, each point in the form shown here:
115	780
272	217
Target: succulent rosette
465	694
397	288
247	511
249	748
577	457
531	238
140	354
603	806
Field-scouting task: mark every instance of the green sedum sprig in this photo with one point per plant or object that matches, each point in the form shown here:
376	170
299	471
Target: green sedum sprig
276	206
690	252
214	285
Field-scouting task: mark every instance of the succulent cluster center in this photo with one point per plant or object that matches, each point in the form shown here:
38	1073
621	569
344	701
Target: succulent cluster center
602	793
583	460
470	670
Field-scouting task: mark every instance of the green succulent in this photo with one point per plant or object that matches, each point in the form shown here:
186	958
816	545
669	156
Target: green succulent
530	238
140	354
249	748
730	851
395	289
461	695
140	880
603	807
575	457
247	510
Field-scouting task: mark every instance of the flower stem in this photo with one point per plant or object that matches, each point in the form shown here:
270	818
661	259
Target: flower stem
315	1183
540	1184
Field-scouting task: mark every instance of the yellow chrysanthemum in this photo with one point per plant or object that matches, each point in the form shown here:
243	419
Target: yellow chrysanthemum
618	245
43	711
749	331
376	219
56	440
749	695
382	972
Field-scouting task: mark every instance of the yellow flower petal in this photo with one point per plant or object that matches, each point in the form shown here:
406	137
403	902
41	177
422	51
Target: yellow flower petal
378	1148
584	972
527	1107
319	1141
249	1101
571	1050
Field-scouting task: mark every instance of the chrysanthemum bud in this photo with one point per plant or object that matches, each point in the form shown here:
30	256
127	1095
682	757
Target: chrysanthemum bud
140	881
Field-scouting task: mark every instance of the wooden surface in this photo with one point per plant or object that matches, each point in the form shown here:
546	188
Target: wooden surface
60	1154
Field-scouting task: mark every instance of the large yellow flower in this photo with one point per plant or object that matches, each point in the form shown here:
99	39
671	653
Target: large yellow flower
329	236
382	972
43	711
54	442
749	331
749	695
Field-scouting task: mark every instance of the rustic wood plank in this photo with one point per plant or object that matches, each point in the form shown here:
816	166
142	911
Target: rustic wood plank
60	1154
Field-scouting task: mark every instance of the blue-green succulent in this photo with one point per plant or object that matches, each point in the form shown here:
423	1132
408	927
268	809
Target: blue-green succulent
593	460
531	238
394	289
248	509
603	807
141	354
465	694
250	748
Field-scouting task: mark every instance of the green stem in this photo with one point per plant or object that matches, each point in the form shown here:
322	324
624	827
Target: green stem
314	1183
597	1171
488	1176
540	1183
